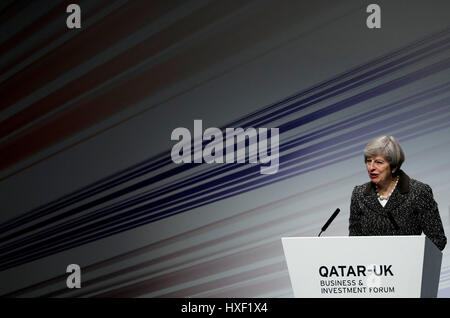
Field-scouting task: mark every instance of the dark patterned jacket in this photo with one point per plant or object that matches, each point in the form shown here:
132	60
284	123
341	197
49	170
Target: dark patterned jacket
410	210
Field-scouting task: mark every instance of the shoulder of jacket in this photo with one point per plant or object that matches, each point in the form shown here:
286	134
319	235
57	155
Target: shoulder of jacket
418	186
359	189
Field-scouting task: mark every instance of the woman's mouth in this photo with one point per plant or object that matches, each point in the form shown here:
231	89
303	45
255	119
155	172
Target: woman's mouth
373	175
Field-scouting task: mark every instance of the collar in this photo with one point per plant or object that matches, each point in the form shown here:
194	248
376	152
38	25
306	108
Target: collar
403	184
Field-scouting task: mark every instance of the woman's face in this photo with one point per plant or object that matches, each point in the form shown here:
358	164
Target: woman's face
379	169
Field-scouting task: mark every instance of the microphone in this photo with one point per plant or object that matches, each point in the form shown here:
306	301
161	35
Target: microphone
329	221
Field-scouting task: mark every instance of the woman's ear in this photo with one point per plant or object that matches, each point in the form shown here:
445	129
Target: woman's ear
394	170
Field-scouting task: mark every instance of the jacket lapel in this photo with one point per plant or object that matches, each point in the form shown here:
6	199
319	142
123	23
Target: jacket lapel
394	201
371	199
399	194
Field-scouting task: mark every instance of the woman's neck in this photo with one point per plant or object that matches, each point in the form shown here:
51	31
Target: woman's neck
385	185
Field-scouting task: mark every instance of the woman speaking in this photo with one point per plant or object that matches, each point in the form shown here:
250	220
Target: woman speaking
392	203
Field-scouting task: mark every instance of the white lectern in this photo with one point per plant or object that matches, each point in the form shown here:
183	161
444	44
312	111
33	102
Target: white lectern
363	266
